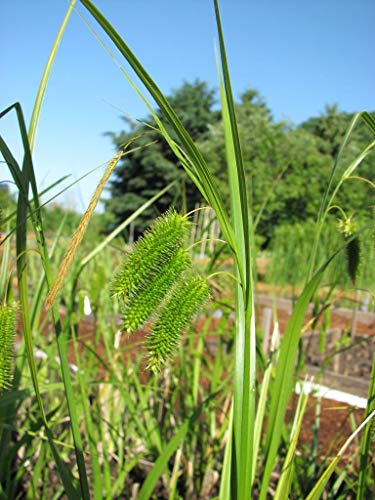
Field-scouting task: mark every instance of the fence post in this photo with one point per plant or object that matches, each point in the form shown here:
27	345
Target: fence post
335	335
266	327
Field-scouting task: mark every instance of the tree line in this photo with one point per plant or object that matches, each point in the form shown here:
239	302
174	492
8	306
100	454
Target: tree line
287	166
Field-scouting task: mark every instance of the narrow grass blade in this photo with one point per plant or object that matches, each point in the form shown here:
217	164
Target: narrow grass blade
331	192
245	366
261	408
191	153
283	383
317	491
162	462
92	440
43	83
369	120
284	483
151	427
236	171
4	283
22	180
25	179
282	387
225	482
368	437
349	170
348	133
174	477
197	369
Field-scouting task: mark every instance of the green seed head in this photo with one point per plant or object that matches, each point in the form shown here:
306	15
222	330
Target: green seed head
353	247
157	282
150	253
184	303
8	316
149	298
353	253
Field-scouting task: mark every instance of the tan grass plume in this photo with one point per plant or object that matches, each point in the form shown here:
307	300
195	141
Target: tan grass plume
79	232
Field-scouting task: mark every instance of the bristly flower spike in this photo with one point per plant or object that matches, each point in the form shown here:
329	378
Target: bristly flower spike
147	302
8	315
353	247
179	310
150	253
157	282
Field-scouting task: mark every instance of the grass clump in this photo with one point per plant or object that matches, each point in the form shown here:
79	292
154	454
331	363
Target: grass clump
176	421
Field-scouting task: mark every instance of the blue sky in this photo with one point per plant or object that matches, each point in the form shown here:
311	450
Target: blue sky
299	54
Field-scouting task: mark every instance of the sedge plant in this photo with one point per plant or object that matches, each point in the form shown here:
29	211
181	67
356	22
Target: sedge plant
236	228
249	460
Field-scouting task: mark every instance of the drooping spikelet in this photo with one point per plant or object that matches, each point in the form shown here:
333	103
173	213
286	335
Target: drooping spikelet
183	304
353	253
150	253
148	299
7	339
353	248
157	282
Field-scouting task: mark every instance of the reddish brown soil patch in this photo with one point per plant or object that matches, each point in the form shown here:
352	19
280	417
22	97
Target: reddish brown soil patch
336	425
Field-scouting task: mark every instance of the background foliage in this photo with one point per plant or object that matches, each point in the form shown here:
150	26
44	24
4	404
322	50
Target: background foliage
287	167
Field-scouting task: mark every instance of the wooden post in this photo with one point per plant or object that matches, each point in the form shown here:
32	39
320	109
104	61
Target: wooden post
335	333
266	326
353	329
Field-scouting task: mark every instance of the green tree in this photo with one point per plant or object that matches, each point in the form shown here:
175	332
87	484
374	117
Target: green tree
255	124
285	169
147	170
330	128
